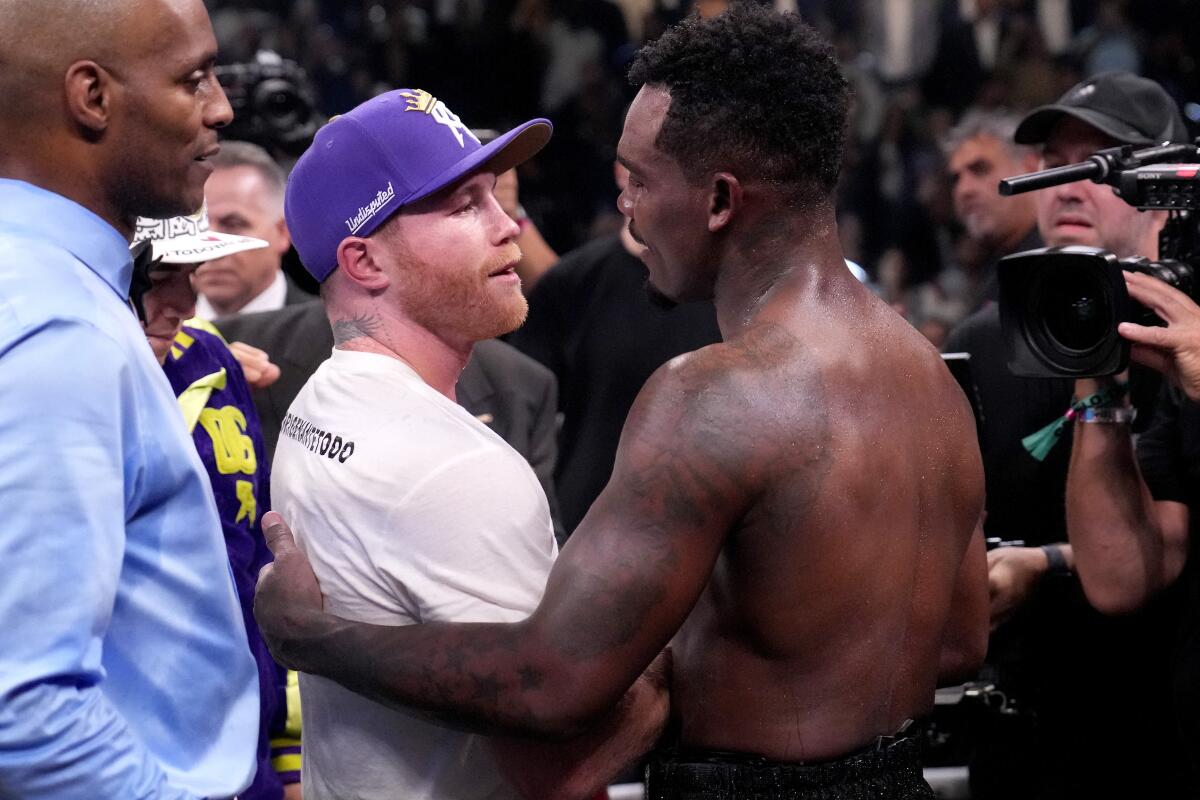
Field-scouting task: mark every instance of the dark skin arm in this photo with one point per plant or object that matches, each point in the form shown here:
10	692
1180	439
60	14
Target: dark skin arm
571	769
620	589
581	767
964	642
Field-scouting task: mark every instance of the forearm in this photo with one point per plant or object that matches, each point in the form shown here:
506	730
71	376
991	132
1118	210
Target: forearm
484	678
1117	546
959	661
612	601
580	767
964	642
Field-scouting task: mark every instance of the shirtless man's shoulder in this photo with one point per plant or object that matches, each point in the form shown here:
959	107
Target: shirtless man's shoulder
735	408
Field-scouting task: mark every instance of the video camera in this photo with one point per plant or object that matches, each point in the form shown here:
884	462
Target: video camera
1060	306
273	104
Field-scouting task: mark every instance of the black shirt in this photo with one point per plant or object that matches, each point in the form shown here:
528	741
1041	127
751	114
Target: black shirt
989	290
592	323
1025	497
1169	457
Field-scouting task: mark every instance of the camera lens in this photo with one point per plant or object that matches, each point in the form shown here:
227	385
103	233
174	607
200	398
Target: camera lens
1073	307
278	102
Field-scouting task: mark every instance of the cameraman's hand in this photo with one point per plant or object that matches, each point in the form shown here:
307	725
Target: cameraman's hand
1013	572
1174	350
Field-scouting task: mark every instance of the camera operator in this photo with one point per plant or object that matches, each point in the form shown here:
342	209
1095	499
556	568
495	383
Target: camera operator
1075	671
1129	516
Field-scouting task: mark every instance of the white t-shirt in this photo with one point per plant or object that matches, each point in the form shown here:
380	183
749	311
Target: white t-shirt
411	511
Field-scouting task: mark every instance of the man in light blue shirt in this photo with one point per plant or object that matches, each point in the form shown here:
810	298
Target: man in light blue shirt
124	669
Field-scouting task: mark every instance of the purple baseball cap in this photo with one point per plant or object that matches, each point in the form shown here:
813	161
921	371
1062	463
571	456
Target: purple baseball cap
392	150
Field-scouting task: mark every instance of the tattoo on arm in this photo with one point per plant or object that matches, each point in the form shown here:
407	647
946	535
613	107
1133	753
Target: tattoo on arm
364	325
455	674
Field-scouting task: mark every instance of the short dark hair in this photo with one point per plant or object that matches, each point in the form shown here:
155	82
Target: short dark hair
752	90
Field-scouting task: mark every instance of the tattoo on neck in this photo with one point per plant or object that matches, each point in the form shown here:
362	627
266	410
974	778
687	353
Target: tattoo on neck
364	325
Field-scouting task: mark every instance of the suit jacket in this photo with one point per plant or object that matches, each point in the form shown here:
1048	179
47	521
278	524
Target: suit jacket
508	391
295	295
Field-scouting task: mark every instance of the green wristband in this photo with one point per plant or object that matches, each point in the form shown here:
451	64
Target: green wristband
1041	442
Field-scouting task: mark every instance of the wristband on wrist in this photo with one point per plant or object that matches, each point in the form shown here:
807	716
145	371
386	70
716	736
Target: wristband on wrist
1039	443
1109	415
1056	562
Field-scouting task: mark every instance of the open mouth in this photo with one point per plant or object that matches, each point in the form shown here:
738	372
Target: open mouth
633	234
508	269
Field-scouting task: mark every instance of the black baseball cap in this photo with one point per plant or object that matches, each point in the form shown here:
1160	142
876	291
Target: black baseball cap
1127	107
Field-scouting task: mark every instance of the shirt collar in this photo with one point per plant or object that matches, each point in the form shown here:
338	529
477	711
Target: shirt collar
52	217
273	298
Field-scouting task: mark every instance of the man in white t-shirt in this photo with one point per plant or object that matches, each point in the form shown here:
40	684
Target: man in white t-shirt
410	509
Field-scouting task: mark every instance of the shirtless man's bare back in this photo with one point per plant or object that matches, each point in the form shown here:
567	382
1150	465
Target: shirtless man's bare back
792	509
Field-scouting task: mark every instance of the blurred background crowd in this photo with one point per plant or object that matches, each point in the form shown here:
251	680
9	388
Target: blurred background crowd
915	65
1080	697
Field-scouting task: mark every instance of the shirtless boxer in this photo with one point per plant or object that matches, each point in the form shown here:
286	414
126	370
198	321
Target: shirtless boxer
792	510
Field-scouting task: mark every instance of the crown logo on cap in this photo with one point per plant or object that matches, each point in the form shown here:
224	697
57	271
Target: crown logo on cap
419	100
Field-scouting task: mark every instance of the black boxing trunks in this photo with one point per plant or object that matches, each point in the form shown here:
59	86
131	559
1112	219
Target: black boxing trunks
889	770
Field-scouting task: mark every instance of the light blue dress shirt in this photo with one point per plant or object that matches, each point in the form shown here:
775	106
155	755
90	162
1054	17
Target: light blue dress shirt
124	668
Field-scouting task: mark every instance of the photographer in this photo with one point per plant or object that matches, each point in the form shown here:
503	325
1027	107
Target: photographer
1072	670
1129	517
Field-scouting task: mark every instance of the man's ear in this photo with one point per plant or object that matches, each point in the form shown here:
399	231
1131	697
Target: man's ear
89	89
282	240
725	201
356	257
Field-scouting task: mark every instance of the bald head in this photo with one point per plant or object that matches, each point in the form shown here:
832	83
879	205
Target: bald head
111	103
37	46
52	28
